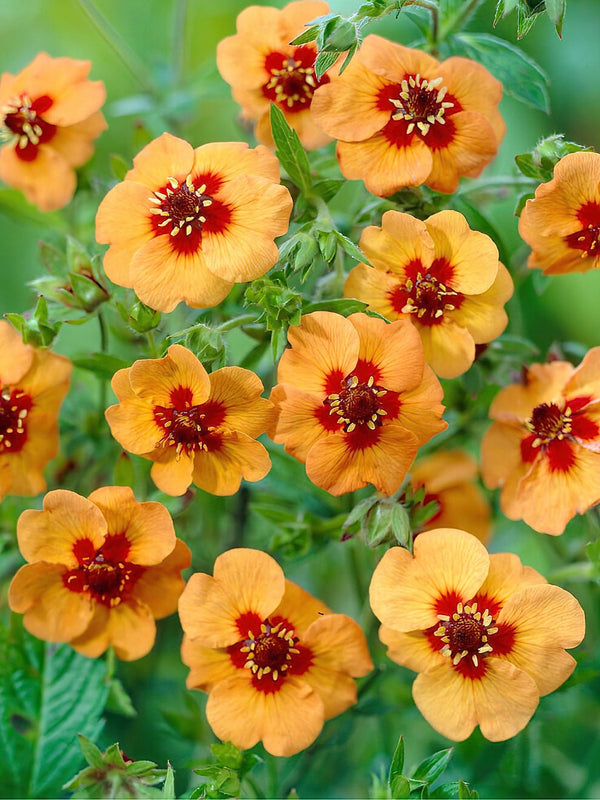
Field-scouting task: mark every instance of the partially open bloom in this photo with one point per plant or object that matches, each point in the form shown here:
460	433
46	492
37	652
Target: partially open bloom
448	477
543	449
442	276
403	119
275	661
355	400
33	384
486	634
263	68
562	223
185	224
197	428
49	117
101	570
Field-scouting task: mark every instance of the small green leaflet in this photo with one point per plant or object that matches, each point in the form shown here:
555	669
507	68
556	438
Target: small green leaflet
290	152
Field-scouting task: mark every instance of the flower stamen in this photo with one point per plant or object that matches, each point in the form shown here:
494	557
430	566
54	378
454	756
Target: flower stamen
357	404
292	83
181	206
21	124
548	422
465	633
427	297
15	405
270	653
420	104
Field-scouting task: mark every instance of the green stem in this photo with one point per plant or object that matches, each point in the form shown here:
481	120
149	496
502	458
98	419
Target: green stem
433	8
110	664
103	349
152	343
119	45
578	572
456	23
236	322
498	182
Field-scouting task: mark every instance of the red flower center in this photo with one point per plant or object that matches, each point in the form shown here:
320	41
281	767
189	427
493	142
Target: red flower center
15	405
293	81
428	298
357	403
181	206
271	652
188	427
420	104
22	124
466	633
105	573
588	237
549	422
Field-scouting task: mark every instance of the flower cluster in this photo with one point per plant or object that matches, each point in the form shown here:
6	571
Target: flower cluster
275	661
486	634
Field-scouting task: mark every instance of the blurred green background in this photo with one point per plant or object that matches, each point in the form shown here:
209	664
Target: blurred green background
177	88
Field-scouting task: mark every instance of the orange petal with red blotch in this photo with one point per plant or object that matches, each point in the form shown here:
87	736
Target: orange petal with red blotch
405	590
411	650
156	379
208	665
48	181
297	424
238	391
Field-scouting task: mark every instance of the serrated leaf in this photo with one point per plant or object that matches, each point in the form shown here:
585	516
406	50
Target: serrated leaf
520	75
526	164
395	777
525	21
57	694
350	248
431	768
289	150
307	36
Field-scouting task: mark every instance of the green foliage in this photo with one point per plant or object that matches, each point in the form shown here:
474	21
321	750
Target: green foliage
289	151
226	773
528	12
48	695
420	784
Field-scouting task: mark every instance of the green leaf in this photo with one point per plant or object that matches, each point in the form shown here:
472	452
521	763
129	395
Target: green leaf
48	695
102	364
119	166
466	793
556	11
308	36
289	150
119	702
431	768
344	306
520	75
227	754
92	753
328	188
168	790
323	62
350	248
397	765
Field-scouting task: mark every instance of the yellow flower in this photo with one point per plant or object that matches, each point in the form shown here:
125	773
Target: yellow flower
562	223
262	67
33	384
402	118
355	400
185	224
543	450
101	570
49	117
442	276
486	634
195	427
275	661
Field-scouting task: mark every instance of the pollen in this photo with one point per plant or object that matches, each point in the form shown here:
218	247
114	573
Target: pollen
106	578
357	404
429	299
21	125
186	427
466	634
182	207
292	79
15	405
420	104
549	422
271	652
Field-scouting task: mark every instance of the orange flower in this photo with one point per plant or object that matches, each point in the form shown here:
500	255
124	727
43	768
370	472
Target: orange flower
403	119
185	224
275	661
101	570
485	633
562	223
544	448
440	274
48	119
355	400
33	383
196	427
263	68
448	477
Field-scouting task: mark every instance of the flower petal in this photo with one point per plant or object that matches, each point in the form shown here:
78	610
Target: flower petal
238	456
